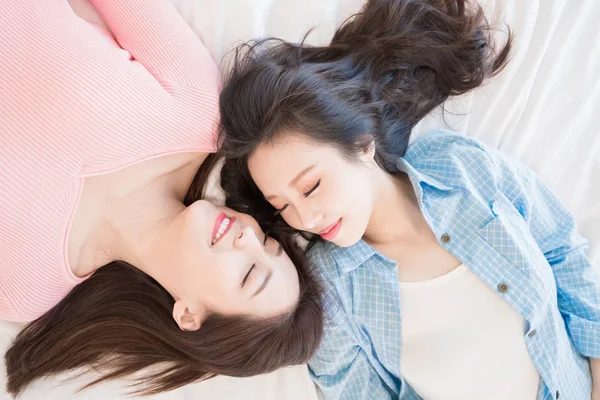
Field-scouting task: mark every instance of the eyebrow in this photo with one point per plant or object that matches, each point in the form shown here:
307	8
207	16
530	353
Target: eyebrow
264	284
295	180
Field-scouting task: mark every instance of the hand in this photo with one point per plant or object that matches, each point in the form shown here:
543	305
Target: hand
595	368
86	11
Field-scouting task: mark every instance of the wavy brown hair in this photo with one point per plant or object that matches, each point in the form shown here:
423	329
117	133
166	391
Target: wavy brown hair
384	70
119	321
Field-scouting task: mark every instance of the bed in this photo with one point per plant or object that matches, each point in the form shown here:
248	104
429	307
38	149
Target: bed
544	109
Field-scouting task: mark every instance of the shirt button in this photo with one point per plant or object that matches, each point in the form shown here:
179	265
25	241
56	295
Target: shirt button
445	238
503	288
532	333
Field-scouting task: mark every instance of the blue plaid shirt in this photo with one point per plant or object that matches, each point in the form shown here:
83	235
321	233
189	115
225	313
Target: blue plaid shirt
508	228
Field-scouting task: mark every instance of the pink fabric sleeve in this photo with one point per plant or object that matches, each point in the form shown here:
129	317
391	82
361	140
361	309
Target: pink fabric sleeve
154	33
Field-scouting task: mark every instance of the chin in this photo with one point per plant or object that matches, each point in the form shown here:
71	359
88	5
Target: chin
345	243
346	240
350	235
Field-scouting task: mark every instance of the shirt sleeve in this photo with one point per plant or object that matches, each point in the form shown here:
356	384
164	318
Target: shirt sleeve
155	35
341	369
555	231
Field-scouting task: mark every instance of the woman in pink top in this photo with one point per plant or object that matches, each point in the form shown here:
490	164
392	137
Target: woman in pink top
102	132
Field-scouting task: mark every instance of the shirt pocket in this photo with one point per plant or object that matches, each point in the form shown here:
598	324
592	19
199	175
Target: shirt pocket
509	235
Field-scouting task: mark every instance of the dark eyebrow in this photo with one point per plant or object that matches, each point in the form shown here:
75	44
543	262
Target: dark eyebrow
264	284
295	180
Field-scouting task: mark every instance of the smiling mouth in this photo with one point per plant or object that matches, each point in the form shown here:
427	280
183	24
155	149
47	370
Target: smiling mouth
331	231
223	225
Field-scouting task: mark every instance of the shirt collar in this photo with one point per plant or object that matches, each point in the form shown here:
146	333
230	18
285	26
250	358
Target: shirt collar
419	177
350	258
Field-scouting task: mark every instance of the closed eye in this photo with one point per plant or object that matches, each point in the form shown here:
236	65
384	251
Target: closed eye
313	189
282	209
247	275
253	265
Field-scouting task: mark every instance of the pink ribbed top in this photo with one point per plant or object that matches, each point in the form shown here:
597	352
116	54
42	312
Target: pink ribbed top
74	103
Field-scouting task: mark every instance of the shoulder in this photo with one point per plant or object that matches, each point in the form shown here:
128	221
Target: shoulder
452	159
446	147
338	335
320	256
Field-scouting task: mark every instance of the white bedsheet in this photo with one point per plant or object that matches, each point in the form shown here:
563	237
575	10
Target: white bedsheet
544	109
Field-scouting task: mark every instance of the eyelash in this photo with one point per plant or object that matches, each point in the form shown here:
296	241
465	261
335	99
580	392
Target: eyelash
313	189
247	275
282	209
253	265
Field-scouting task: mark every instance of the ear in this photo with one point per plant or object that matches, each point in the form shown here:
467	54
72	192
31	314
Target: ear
367	153
187	317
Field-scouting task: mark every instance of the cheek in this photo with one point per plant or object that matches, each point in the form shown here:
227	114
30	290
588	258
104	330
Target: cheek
217	273
354	195
218	292
350	189
291	218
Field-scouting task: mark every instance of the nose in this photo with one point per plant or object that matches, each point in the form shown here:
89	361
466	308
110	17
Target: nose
309	217
246	238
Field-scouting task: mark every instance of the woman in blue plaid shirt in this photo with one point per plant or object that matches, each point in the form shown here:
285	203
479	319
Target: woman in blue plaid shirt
453	272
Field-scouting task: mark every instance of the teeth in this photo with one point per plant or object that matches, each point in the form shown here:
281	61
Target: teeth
224	225
221	230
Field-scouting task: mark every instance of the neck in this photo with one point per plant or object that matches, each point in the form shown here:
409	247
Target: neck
138	227
396	214
138	233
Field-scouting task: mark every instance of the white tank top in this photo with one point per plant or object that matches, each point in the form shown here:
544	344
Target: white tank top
461	340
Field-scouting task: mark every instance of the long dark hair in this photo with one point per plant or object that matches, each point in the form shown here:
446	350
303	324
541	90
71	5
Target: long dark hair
385	69
119	321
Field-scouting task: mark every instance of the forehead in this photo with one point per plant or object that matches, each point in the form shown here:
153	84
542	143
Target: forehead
290	144
286	156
